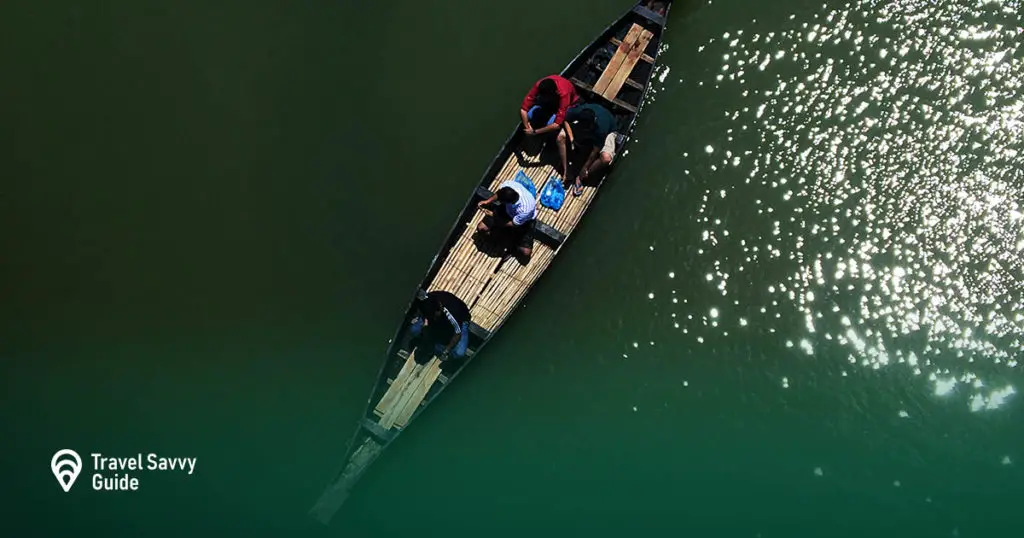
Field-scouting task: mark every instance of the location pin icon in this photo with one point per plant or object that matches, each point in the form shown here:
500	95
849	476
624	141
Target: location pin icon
66	464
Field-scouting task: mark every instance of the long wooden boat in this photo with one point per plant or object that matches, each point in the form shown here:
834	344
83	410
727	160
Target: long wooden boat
616	71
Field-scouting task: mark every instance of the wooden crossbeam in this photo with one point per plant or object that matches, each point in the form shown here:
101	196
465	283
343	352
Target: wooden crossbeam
617	102
377	431
652	16
634	84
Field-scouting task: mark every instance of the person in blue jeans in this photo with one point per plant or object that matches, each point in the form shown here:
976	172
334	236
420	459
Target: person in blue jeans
441	329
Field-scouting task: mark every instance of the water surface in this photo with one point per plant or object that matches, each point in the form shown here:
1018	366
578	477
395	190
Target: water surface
794	311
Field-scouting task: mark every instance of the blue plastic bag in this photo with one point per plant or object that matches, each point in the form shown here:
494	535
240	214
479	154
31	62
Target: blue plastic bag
525	181
553	195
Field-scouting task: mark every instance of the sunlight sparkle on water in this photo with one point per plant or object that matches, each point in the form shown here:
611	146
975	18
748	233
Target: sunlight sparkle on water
887	168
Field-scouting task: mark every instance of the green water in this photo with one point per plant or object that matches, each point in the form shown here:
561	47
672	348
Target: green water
795	311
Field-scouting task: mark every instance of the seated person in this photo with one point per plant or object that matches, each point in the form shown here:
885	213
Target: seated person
442	328
516	218
590	127
544	107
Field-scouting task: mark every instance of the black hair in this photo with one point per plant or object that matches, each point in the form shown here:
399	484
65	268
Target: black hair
508	195
587	118
547	87
547	96
585	130
430	306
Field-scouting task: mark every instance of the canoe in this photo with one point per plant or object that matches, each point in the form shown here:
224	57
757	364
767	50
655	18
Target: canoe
615	70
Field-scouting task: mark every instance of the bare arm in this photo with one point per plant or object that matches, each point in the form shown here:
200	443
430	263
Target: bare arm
482	203
548	128
526	122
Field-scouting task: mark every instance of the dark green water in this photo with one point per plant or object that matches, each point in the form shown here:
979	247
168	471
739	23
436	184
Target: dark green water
795	311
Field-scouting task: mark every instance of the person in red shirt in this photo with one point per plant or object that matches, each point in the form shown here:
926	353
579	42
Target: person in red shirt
543	109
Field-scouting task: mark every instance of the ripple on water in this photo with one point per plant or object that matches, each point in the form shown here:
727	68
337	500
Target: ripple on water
884	190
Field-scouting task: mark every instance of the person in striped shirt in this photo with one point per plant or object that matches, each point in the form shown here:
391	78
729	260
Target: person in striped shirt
441	328
514	217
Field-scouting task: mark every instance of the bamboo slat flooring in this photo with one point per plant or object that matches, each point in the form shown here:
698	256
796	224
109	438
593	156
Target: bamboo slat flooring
509	285
465	270
566	218
512	167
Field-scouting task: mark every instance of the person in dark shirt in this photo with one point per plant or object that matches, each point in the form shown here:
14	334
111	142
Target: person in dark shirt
590	127
442	327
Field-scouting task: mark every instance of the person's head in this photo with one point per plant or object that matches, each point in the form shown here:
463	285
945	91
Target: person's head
431	307
507	195
547	88
585	129
547	95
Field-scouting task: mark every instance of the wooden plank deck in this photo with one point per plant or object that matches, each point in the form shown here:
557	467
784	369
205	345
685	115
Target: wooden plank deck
643	57
422	379
406	392
398	385
632	57
618	58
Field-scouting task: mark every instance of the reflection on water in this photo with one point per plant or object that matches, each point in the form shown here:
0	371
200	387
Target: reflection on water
887	180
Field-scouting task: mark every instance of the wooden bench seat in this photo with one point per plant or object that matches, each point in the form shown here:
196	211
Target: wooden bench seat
614	102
